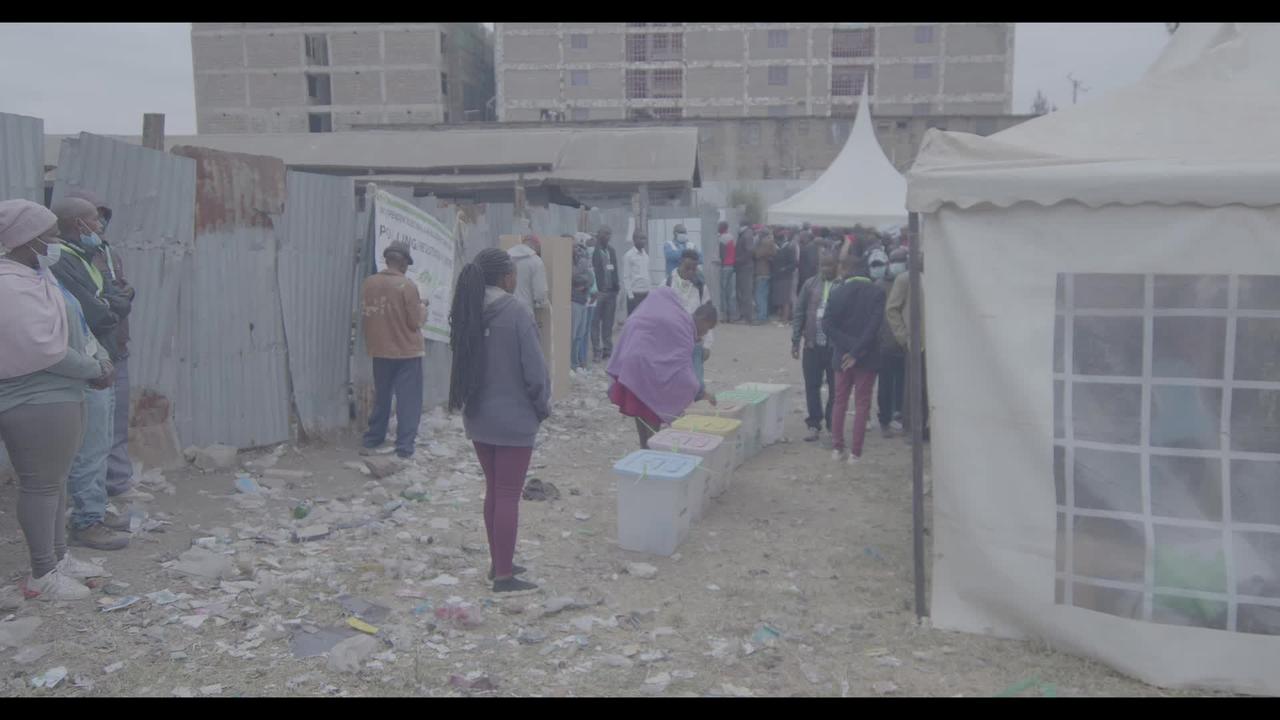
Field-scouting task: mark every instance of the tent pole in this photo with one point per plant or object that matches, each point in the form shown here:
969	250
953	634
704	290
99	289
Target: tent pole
915	373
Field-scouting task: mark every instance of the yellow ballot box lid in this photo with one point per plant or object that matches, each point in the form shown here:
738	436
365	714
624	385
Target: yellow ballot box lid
721	426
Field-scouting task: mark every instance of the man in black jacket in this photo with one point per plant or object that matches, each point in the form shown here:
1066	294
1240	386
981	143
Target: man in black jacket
605	262
104	305
852	323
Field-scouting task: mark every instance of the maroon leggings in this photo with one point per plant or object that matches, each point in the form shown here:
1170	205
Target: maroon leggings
860	381
504	469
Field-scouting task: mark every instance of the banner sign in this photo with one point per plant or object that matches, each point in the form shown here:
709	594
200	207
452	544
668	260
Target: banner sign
430	244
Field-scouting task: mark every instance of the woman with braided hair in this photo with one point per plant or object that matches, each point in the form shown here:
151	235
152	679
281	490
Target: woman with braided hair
500	383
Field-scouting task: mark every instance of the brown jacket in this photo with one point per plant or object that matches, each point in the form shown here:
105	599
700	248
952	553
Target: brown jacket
763	253
393	316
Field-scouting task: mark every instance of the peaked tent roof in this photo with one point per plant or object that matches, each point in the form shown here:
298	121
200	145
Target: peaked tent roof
861	187
1199	127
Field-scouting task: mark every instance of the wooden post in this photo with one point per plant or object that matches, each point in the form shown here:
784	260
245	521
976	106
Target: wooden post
915	375
153	131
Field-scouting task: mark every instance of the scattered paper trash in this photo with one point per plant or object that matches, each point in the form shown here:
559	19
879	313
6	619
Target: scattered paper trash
50	678
113	604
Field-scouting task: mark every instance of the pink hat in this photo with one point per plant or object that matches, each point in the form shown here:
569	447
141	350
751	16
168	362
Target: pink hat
22	221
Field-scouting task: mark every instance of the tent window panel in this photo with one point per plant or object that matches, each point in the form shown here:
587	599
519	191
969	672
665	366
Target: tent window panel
1258	349
1058	426
1106	412
1109	291
1255	420
1255	492
1060	476
1188	347
1108	346
1258	619
1191	291
1062	542
1257	564
1121	603
1105	480
1109	549
1259	292
1186	487
1058	348
1186	417
1189	612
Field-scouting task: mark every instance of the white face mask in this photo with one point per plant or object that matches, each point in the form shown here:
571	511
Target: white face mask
50	258
897	268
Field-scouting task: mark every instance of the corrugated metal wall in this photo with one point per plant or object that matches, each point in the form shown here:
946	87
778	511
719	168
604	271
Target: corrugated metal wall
21	158
152	198
235	387
318	240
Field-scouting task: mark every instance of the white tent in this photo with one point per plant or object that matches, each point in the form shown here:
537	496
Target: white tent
1103	303
861	187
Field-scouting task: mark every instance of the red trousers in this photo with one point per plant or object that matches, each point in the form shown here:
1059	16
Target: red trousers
861	381
504	469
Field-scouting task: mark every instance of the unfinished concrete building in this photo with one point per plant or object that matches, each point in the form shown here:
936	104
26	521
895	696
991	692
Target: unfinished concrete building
631	71
313	77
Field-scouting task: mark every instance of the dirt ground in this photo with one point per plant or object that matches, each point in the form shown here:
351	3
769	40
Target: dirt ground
796	583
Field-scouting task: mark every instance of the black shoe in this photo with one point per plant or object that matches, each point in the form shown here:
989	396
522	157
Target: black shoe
515	570
512	585
404	456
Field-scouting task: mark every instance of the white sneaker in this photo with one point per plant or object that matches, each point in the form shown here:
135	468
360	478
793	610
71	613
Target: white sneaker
55	586
835	455
79	569
853	459
896	426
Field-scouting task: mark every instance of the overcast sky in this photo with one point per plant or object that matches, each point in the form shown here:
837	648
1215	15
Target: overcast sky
103	77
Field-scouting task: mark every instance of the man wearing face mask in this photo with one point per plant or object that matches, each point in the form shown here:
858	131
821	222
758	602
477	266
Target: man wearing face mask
898	315
104	305
119	466
674	249
892	374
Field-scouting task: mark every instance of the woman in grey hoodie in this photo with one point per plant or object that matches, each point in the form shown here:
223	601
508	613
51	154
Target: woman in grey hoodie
500	383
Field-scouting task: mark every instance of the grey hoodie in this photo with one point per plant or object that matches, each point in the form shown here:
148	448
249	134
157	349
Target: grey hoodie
531	276
514	397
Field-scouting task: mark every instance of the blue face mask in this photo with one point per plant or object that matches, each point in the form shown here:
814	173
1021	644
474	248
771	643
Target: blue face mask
90	239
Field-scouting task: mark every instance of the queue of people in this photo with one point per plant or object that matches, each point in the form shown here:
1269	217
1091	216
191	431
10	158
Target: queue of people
63	306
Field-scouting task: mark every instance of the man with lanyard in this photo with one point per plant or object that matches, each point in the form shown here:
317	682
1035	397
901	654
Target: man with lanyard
852	321
806	323
119	466
103	305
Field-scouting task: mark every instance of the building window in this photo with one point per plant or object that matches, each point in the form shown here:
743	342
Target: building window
317	49
668	83
444	83
666	46
848	81
320	122
779	111
318	89
637	48
637	84
778	75
901	124
984	126
579	78
920	109
751	133
581	114
777	39
802	127
444	38
668	113
924	34
922	71
578	41
853	43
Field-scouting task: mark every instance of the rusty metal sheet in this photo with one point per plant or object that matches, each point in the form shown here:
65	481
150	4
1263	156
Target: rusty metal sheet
233	387
318	241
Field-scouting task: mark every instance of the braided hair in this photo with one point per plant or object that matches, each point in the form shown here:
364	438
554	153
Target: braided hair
466	322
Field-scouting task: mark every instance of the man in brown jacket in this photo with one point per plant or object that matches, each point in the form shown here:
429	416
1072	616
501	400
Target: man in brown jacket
763	252
393	315
897	312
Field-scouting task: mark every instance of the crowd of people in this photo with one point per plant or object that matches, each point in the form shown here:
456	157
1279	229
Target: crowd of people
64	389
64	393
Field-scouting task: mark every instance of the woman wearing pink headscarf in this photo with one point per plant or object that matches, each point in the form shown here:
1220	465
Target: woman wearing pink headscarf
655	369
47	358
